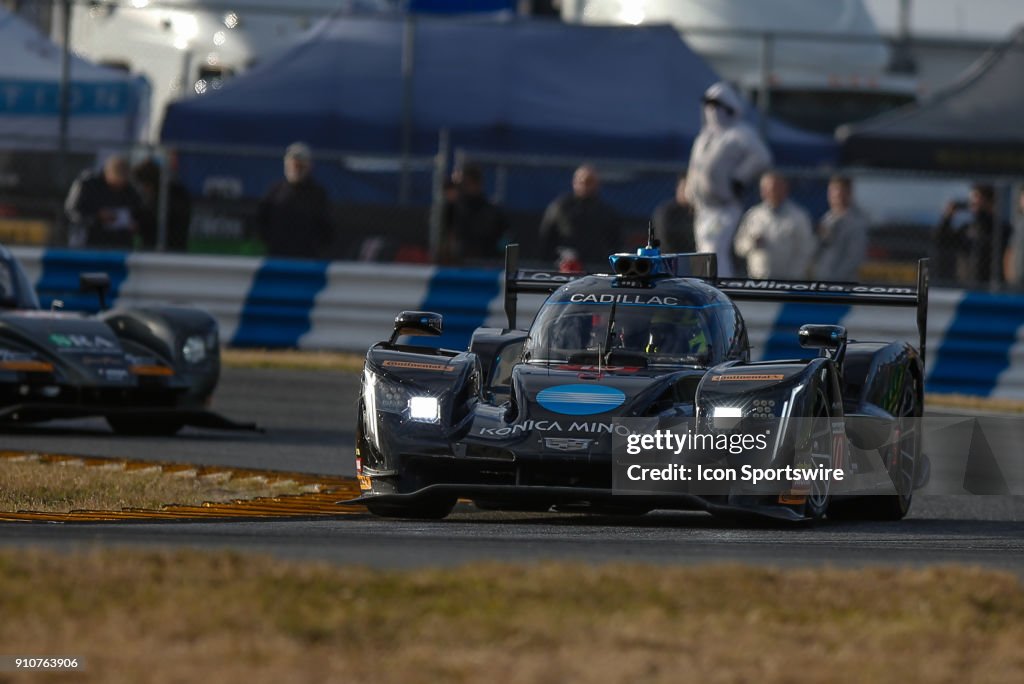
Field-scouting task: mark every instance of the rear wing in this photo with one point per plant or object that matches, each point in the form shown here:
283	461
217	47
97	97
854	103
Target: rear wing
852	294
528	281
704	266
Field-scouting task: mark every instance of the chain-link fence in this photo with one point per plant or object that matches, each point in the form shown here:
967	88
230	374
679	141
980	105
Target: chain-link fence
389	208
379	206
911	215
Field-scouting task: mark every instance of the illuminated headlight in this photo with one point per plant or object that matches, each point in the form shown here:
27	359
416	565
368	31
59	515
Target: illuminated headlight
194	349
424	409
726	417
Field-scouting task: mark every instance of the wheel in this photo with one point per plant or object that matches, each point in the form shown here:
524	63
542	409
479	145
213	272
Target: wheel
901	461
430	509
159	427
818	450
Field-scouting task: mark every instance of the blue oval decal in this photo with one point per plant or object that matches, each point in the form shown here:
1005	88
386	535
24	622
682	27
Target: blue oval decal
580	400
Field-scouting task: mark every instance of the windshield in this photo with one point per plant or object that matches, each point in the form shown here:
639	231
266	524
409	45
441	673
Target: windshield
626	334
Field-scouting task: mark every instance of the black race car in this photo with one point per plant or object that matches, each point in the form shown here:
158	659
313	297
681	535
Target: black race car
534	420
149	370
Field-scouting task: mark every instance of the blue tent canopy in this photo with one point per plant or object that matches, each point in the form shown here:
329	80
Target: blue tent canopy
523	86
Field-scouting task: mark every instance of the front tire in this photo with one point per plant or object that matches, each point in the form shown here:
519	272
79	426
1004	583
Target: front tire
819	450
430	509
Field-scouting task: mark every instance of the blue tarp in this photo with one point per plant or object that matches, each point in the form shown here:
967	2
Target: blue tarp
524	86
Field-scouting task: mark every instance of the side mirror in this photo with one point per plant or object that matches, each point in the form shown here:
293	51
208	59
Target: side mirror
822	336
829	337
95	282
423	323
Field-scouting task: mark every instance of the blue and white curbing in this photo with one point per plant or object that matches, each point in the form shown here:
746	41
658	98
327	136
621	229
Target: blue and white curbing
975	340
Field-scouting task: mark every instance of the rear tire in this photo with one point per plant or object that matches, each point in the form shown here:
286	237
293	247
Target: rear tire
139	427
431	509
903	458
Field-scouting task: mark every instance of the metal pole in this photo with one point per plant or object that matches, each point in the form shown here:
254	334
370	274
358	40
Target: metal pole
408	49
163	201
765	99
65	94
998	237
438	200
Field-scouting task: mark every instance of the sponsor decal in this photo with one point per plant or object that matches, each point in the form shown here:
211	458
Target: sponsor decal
547	276
556	426
364	482
75	342
567	443
113	374
418	365
813	286
748	377
580	400
581	298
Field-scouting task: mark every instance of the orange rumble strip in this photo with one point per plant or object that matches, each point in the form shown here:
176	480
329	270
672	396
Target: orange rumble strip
318	501
27	366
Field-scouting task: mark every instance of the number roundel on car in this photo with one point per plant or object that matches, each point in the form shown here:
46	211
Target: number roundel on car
580	400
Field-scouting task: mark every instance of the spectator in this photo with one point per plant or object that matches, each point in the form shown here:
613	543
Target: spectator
673	221
179	208
581	221
775	236
973	241
103	207
476	229
727	157
293	217
842	235
1013	260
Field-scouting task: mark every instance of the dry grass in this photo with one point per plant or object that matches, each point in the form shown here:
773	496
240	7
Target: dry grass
292	359
185	616
62	487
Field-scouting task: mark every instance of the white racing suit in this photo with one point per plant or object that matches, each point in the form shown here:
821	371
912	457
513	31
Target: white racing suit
727	157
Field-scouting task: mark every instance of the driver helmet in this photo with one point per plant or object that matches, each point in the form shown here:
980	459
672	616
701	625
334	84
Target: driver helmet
677	331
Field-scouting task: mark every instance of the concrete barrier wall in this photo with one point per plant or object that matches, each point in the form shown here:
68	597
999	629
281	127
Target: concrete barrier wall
975	340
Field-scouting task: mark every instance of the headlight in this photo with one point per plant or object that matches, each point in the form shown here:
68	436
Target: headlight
382	394
194	349
424	409
727	417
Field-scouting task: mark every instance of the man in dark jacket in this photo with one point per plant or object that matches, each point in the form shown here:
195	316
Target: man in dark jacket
103	207
476	228
975	245
673	222
583	222
293	217
179	208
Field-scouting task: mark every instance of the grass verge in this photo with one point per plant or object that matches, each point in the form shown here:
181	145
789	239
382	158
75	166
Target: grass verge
293	359
66	486
189	616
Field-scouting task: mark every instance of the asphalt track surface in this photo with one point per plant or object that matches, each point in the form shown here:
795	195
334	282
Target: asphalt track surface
308	417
